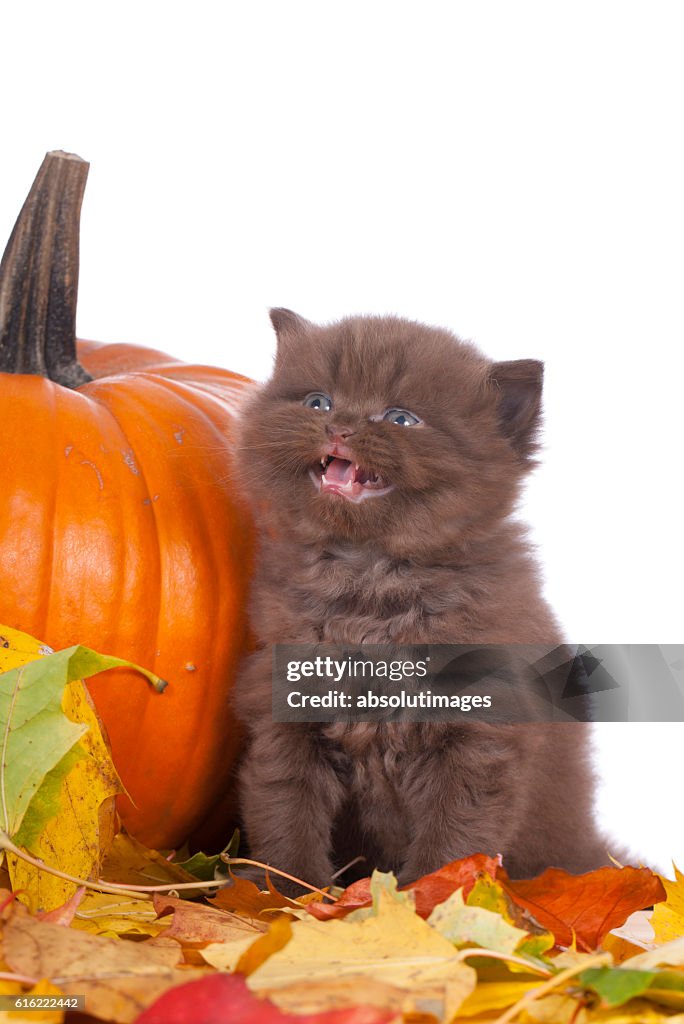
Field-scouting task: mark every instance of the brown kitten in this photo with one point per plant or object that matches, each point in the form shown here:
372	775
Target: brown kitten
416	545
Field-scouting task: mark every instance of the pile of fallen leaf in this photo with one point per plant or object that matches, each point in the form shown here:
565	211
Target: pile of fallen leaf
149	937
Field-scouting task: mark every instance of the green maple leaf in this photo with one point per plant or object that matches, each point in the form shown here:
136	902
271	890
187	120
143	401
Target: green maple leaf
35	734
616	985
206	867
47	801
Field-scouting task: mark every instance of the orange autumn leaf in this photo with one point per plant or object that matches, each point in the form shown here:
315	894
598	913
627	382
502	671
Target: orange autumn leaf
585	906
354	896
66	912
436	887
244	897
428	891
275	939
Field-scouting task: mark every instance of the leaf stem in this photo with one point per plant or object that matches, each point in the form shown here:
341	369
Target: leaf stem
112	888
115	889
277	871
21	979
463	954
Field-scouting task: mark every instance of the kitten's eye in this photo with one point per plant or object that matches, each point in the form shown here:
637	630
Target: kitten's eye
402	417
318	400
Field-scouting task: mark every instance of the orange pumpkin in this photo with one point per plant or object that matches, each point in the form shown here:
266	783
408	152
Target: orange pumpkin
119	525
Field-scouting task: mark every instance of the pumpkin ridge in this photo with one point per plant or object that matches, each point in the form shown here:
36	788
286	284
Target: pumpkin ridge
113	476
50	516
186	391
90	391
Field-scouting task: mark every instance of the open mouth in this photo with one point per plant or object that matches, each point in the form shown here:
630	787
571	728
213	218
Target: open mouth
334	474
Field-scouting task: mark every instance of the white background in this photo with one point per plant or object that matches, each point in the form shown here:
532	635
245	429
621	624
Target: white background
511	170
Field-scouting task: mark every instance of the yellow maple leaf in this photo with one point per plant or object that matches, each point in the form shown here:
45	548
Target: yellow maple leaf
668	917
554	1009
495	995
105	914
394	946
76	836
128	862
17	648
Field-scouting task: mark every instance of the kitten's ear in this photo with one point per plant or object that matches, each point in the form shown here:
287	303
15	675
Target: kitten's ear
286	322
519	386
287	325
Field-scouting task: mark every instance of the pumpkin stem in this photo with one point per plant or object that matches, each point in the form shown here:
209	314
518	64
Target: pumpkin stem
39	276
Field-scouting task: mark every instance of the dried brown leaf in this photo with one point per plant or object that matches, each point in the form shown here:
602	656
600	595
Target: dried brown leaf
197	923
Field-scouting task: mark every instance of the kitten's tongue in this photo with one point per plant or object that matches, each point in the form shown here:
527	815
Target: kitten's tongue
349	481
339	472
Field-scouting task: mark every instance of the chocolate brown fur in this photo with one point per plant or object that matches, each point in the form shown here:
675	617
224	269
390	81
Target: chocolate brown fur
438	559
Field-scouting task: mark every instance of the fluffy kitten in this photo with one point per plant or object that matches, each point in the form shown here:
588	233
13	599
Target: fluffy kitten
383	460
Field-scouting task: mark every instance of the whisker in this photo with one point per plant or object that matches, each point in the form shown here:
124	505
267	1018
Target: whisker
252	447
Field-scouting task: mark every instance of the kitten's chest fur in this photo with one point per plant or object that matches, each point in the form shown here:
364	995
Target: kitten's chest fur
363	596
346	593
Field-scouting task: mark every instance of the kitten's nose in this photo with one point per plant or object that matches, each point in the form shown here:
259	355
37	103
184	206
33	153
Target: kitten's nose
337	433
